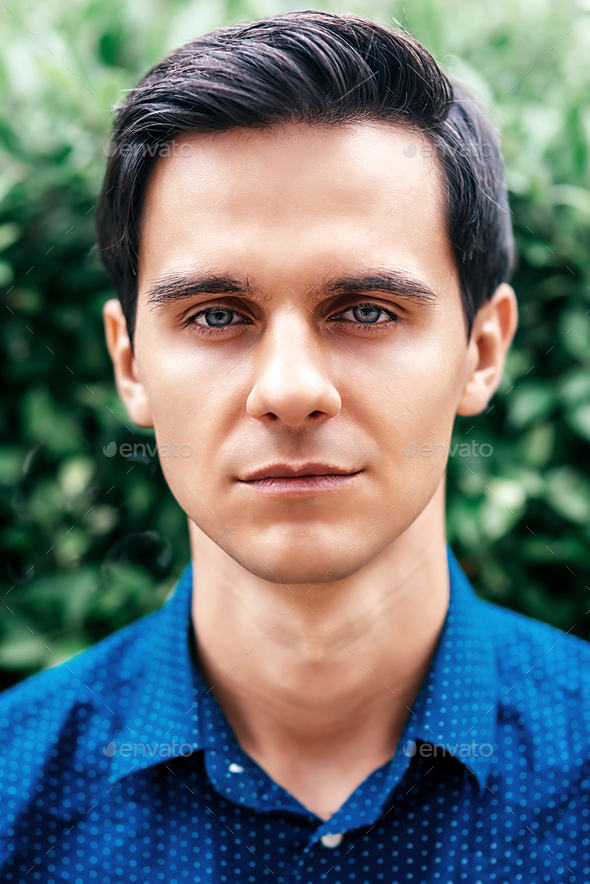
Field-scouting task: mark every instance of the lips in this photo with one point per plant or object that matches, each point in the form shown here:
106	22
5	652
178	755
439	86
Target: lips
305	480
287	471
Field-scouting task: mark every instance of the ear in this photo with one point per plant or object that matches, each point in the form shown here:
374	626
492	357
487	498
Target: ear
493	330
130	388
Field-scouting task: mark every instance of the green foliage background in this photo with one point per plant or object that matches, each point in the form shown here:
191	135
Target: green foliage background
91	542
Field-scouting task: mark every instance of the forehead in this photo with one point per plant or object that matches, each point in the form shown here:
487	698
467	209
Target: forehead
297	199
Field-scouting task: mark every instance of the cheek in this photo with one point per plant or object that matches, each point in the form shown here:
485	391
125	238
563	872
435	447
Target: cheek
179	376
195	402
410	387
408	409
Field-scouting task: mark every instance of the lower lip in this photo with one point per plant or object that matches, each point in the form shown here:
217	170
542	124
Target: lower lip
299	485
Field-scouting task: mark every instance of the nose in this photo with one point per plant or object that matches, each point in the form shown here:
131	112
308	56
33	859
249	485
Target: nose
292	386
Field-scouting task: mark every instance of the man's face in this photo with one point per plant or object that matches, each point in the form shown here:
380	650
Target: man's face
290	365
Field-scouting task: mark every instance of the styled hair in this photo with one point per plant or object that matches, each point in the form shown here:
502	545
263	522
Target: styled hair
317	68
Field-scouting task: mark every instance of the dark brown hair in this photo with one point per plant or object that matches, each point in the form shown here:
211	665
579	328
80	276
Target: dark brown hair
318	68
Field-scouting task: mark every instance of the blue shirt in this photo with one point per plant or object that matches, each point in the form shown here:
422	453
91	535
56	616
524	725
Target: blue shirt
120	766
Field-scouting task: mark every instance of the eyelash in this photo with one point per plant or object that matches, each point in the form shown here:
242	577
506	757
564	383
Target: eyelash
366	327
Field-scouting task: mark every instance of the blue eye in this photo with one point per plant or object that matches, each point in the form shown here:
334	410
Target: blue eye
218	317
366	313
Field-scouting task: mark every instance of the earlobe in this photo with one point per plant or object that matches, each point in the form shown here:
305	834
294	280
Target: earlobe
493	330
130	388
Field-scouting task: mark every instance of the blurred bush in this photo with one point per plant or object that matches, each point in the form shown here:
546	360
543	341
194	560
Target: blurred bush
92	542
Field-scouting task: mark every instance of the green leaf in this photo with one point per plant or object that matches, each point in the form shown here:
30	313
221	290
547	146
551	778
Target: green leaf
568	492
529	401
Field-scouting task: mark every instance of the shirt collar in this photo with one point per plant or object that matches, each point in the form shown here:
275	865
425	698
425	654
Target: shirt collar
162	710
456	708
170	704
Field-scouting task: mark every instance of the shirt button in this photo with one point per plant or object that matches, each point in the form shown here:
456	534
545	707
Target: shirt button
331	840
235	768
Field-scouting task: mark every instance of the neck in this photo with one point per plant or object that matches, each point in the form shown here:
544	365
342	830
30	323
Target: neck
317	682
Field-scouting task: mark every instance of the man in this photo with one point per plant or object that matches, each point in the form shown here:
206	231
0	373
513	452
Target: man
307	228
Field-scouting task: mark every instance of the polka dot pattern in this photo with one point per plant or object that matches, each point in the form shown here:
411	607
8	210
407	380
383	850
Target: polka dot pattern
120	766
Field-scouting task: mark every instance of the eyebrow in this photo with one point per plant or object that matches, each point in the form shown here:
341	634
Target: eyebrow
177	286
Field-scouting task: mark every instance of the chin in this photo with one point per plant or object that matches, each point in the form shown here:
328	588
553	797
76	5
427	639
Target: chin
314	562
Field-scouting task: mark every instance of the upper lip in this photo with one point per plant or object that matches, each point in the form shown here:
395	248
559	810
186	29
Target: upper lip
286	471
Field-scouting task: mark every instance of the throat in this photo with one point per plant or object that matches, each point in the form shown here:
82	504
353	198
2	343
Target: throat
320	733
317	683
323	780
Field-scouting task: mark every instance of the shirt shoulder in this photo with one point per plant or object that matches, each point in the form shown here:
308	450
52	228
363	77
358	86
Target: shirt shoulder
524	645
106	665
50	721
543	693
